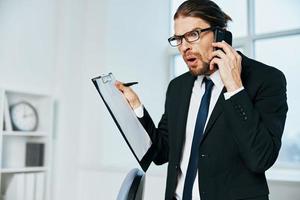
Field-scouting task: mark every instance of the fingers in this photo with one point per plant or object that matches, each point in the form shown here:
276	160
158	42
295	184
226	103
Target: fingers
213	62
228	53
238	61
225	46
218	53
227	49
119	85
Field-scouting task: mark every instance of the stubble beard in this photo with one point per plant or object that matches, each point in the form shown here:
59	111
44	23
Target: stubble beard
204	70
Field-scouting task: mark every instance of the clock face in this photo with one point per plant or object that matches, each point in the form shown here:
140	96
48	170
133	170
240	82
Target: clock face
24	116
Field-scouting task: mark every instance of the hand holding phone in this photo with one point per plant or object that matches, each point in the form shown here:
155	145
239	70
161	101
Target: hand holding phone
229	61
220	35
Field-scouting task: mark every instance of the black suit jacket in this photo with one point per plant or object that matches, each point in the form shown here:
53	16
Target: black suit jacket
241	141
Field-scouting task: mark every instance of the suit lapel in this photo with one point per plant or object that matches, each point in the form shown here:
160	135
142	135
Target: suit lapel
218	109
184	104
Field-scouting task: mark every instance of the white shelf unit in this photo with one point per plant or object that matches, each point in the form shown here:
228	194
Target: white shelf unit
23	170
13	169
27	134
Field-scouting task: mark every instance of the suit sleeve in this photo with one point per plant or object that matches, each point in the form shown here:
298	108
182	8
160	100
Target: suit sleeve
257	124
159	136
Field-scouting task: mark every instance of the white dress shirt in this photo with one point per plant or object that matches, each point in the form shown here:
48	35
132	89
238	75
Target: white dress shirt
197	93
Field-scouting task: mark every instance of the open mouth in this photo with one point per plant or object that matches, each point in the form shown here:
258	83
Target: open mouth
191	59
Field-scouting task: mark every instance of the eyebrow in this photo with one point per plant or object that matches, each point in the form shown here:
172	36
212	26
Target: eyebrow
186	32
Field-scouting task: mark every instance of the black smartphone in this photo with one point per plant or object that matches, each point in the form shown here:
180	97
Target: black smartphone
220	35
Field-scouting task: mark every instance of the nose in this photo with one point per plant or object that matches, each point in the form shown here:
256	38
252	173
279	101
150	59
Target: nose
184	46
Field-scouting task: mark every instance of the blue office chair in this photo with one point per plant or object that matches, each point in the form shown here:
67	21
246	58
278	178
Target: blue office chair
133	186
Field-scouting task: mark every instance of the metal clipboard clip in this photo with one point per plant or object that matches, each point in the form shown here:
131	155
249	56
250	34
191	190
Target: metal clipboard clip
105	78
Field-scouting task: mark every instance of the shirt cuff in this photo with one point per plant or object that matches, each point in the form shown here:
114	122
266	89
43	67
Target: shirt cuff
139	111
228	95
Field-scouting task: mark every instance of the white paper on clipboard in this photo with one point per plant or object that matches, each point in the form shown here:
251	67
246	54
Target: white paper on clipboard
124	117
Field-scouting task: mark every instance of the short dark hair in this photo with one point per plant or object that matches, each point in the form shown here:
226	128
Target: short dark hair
207	10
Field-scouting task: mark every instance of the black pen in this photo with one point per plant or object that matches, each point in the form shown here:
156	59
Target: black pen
129	84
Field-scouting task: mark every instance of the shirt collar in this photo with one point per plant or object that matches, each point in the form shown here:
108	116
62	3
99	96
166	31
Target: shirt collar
216	79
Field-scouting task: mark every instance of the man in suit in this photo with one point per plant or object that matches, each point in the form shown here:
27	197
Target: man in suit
223	120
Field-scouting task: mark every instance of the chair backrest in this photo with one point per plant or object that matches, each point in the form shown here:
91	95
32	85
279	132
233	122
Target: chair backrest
133	186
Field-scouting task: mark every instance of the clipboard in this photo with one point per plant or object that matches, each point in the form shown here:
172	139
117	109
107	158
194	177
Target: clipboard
125	119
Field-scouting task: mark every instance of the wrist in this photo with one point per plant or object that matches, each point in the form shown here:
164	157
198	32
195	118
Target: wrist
136	104
233	87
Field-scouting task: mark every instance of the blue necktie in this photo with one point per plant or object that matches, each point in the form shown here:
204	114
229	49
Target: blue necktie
199	128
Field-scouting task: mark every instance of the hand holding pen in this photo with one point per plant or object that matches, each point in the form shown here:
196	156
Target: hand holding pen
129	94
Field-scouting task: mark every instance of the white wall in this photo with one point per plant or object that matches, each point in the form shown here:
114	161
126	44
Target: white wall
284	190
128	39
56	47
70	29
40	52
27	44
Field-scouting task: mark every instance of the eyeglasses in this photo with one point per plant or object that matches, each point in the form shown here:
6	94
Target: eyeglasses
191	36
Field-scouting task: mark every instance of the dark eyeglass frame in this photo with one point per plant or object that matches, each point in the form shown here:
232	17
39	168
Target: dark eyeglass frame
180	37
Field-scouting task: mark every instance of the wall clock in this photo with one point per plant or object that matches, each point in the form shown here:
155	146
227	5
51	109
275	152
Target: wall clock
24	116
